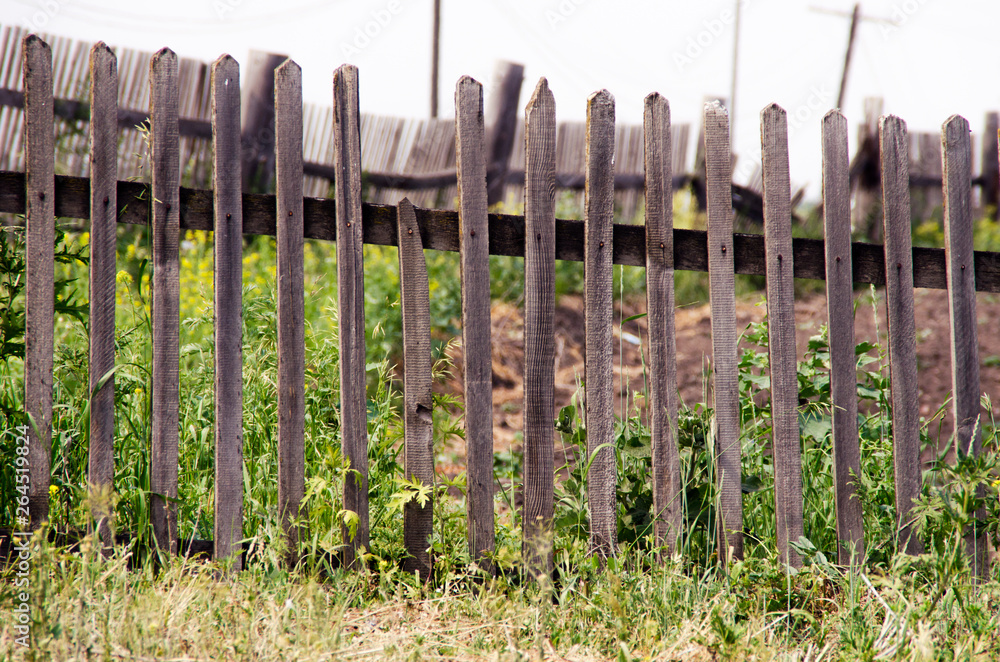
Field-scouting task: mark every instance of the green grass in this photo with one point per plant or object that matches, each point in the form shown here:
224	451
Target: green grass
637	607
640	606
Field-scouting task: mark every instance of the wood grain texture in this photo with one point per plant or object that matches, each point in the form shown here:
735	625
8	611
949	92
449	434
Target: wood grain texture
956	154
228	240
840	322
291	303
722	299
599	210
474	248
663	398
103	232
418	405
785	448
539	321
893	146
351	303
166	297
506	233
39	190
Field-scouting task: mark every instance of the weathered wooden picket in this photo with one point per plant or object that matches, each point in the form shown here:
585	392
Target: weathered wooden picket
541	239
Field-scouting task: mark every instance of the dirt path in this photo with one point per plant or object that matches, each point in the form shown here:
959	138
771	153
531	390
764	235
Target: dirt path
694	350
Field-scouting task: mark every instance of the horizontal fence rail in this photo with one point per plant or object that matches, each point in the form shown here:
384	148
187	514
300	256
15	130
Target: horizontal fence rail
441	229
541	239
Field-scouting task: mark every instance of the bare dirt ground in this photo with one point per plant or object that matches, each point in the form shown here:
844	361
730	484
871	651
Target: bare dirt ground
694	351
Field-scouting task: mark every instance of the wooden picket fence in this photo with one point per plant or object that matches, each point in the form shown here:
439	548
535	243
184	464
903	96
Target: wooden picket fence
541	239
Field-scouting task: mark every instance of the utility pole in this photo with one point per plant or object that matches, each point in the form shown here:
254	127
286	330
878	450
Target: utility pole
732	90
855	17
435	52
850	50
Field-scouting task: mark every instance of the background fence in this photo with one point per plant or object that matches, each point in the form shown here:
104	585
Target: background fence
416	157
541	239
401	156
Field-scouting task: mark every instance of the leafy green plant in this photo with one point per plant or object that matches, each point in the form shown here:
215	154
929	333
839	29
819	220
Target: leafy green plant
70	361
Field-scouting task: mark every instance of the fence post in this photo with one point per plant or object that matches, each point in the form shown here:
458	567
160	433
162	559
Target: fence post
867	212
39	177
663	400
502	123
991	165
902	331
781	333
927	166
258	118
474	256
418	404
351	304
840	322
103	231
722	299
166	297
228	241
539	315
698	172
598	319
956	155
291	306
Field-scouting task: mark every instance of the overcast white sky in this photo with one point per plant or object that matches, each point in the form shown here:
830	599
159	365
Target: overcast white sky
936	58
